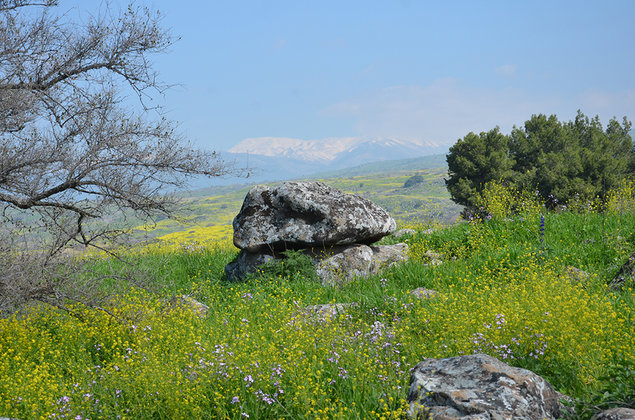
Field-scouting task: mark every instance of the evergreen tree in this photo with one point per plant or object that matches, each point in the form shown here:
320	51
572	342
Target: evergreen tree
560	160
475	160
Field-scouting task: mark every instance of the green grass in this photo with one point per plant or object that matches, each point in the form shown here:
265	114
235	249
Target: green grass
501	291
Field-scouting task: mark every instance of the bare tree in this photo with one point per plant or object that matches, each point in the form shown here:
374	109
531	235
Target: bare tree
71	148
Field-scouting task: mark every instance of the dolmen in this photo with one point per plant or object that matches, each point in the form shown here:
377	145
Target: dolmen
337	230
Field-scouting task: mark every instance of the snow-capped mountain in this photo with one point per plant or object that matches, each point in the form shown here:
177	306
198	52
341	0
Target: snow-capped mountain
323	150
281	158
332	149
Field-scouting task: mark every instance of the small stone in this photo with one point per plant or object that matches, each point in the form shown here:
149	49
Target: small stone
246	263
618	413
403	232
388	255
327	311
199	308
575	274
423	293
433	258
345	264
626	275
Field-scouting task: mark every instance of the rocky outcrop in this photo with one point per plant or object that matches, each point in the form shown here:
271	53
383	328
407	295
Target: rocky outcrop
626	275
299	215
480	387
335	229
619	413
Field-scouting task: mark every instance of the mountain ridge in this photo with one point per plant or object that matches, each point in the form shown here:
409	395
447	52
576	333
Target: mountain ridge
281	158
329	149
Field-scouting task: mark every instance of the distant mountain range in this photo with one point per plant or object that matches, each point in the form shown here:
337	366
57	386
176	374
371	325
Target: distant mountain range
274	158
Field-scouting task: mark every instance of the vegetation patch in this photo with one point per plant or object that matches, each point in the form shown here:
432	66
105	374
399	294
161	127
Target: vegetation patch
503	289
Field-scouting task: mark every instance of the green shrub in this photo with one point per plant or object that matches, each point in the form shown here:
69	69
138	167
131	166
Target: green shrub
294	266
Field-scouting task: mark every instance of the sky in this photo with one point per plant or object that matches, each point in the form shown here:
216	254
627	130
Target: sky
428	71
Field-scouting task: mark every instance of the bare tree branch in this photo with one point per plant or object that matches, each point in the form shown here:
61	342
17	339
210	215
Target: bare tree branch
71	149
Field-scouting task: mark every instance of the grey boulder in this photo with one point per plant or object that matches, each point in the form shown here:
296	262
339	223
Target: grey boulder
479	387
246	263
327	311
342	264
618	413
345	264
307	214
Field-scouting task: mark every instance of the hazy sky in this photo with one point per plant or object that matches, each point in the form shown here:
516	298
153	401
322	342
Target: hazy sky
431	71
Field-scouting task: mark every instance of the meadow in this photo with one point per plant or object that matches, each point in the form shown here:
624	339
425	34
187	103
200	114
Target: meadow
505	288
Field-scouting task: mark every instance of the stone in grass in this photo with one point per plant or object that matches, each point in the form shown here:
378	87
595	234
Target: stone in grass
618	413
423	293
432	258
327	311
190	303
388	255
299	215
480	387
404	232
345	264
575	274
335	266
626	275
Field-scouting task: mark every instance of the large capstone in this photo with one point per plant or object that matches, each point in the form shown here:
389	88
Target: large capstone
305	215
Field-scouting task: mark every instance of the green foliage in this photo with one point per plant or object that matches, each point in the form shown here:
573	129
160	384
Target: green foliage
561	160
294	266
476	160
501	201
618	390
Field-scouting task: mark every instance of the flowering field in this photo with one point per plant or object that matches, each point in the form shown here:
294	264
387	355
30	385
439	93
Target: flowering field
505	288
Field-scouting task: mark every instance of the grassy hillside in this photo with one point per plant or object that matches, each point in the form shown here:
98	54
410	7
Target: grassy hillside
209	212
503	289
